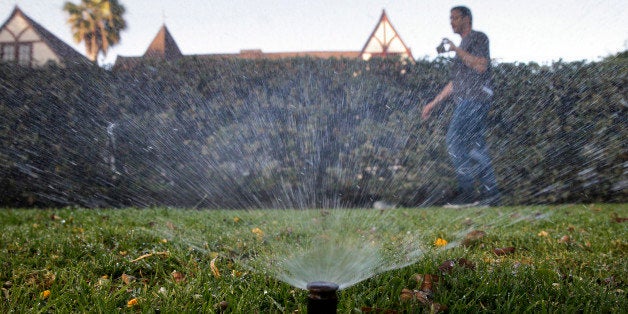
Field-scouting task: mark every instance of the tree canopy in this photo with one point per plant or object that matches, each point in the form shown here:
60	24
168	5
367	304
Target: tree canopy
98	23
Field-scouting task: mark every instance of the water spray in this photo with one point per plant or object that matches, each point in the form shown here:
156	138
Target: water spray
322	298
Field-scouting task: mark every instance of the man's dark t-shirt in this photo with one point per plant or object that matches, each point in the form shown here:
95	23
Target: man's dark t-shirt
467	83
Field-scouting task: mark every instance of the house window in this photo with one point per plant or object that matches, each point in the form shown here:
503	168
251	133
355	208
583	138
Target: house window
24	54
8	52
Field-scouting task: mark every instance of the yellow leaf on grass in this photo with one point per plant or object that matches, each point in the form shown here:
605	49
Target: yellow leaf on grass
543	233
236	219
258	232
103	281
214	269
133	302
237	274
45	294
440	242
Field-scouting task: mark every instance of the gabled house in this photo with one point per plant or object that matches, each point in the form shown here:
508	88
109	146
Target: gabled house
24	41
383	42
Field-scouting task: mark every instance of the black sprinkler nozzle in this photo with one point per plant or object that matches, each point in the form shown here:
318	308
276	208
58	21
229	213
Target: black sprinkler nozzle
322	298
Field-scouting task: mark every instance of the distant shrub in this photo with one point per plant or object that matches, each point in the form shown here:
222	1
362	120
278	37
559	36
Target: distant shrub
300	132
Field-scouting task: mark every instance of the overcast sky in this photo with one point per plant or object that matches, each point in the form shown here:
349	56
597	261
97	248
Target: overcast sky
519	31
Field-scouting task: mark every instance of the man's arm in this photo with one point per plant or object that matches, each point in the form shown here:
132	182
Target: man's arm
477	63
446	92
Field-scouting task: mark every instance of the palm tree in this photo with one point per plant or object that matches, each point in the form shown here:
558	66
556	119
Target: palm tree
96	22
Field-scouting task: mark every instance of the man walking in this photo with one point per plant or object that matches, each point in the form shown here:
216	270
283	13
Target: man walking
470	87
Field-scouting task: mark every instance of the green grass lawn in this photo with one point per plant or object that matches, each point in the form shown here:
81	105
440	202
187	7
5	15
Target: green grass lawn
566	259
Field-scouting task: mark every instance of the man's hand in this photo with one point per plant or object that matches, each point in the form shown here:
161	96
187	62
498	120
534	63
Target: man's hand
427	110
449	45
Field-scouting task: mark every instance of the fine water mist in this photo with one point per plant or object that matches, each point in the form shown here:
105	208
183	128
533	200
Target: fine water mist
341	246
302	133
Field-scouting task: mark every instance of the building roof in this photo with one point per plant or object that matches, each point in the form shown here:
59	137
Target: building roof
59	47
163	46
385	41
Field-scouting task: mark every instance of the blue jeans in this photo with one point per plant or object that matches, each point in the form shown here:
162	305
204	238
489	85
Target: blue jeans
467	148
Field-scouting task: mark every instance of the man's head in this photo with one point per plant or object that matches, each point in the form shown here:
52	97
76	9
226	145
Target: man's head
461	19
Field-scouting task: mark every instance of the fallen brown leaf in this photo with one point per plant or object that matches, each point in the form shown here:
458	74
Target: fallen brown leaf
473	237
616	219
415	295
221	306
447	266
149	255
438	308
504	251
564	239
178	276
419	278
429	282
127	279
214	269
423	297
42	279
375	310
406	295
466	263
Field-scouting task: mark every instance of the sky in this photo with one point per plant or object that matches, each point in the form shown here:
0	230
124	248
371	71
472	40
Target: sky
541	31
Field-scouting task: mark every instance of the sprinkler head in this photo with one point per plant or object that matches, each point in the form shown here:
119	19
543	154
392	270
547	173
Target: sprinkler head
322	298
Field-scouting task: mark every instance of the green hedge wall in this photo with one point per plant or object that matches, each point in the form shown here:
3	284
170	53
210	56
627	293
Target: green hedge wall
301	133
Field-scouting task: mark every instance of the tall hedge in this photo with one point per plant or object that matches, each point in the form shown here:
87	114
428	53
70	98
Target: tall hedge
300	133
